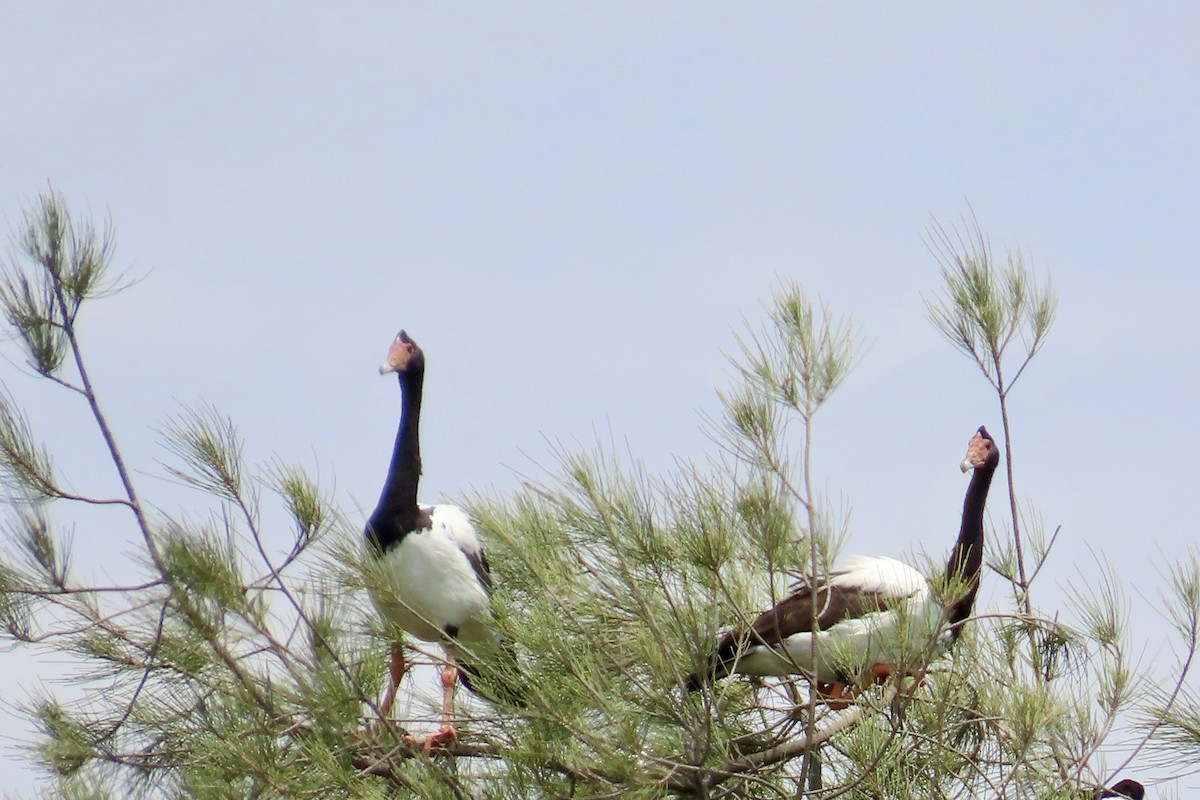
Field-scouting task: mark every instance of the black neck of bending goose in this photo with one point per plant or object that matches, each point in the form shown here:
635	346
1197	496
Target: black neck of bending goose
966	559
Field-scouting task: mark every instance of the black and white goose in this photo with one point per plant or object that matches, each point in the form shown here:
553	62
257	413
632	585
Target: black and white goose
1130	789
873	612
437	576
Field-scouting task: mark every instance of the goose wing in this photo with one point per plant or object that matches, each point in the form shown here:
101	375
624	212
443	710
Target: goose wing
847	600
453	523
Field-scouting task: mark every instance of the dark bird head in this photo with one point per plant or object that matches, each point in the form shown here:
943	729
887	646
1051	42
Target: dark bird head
981	451
1126	788
403	356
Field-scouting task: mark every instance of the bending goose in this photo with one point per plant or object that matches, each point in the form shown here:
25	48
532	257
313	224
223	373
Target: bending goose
1130	789
872	613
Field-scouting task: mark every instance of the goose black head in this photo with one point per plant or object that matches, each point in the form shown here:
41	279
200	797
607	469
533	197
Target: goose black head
981	451
403	356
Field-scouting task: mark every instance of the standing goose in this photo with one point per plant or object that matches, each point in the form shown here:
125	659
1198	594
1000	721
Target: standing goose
873	612
436	573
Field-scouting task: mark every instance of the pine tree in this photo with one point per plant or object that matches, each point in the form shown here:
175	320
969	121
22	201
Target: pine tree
227	670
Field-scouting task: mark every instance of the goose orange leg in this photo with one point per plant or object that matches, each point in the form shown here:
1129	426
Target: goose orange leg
882	672
446	734
836	695
396	670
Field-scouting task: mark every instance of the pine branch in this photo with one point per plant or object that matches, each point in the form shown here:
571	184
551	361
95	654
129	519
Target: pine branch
982	309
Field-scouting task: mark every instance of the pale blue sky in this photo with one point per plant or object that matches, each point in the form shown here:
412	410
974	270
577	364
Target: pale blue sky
573	206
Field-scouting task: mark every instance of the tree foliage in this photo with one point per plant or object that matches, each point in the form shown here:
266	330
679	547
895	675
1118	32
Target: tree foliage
231	670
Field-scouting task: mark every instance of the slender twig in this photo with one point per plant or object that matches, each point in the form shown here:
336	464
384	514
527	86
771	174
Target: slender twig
1045	555
158	635
110	441
79	590
1025	600
810	756
59	494
66	384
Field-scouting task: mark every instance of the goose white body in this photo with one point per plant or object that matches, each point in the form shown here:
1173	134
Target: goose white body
433	582
902	634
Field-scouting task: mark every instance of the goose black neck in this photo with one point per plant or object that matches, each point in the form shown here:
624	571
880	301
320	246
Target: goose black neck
966	559
398	512
405	471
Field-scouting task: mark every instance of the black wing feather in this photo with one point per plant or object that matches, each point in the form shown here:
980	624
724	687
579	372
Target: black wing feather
788	617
